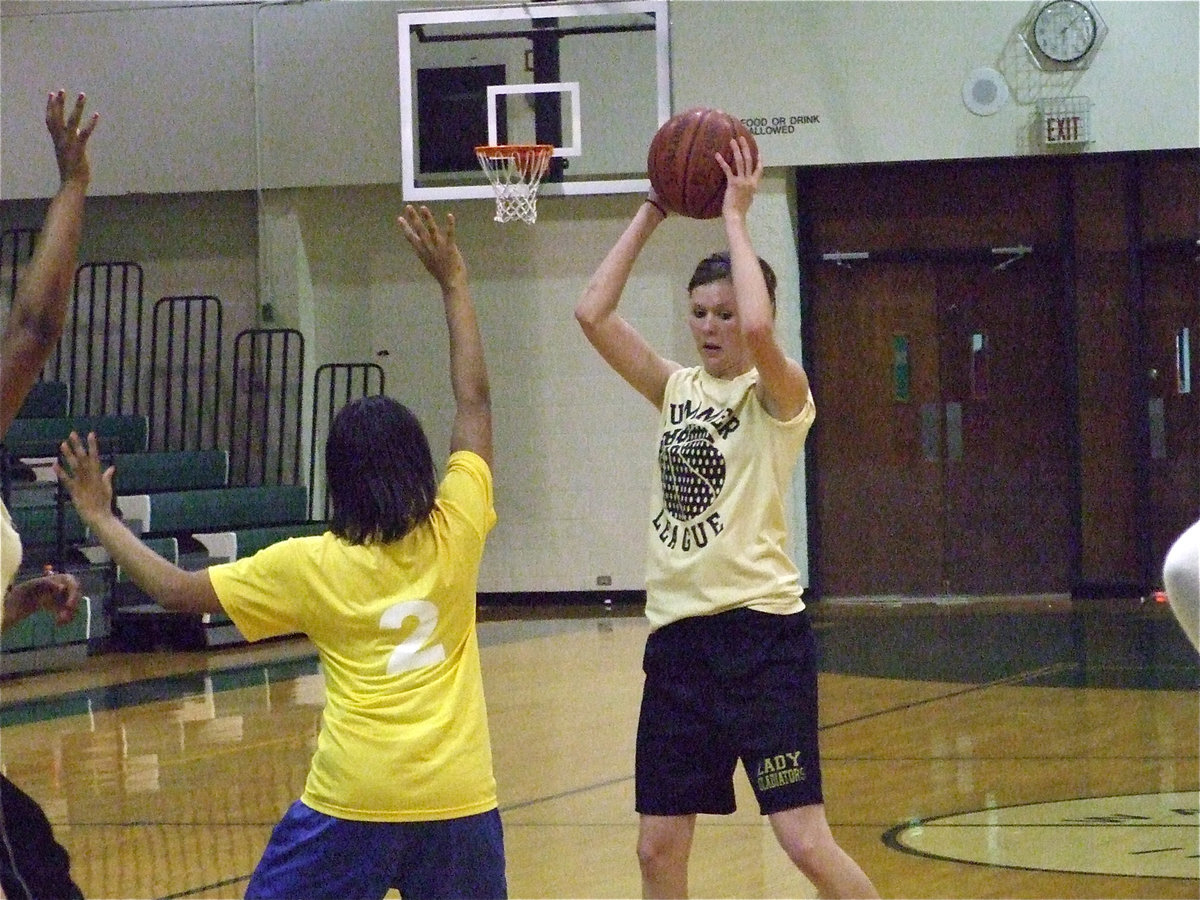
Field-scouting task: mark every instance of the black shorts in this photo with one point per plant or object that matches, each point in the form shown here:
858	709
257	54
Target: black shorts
737	685
32	862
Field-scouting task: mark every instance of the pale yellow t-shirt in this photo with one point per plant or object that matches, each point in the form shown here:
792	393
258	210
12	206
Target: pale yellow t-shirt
404	736
718	537
10	550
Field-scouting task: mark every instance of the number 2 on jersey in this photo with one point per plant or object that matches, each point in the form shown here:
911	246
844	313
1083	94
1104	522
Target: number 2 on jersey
411	653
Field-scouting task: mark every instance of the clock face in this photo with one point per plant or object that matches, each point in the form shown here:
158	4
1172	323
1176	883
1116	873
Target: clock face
1064	30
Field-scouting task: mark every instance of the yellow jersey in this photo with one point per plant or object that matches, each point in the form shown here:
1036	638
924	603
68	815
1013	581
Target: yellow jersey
404	735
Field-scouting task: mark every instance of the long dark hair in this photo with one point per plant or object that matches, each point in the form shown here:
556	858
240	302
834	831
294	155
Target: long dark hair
718	267
378	471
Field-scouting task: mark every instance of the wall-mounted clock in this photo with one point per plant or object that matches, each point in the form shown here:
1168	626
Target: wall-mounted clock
1064	34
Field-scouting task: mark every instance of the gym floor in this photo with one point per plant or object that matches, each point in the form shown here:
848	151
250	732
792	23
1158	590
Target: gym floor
995	747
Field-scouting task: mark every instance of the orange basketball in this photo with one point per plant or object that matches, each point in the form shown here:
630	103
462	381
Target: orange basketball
681	164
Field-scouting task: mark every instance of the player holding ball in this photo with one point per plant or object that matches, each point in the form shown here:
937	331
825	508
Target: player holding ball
730	661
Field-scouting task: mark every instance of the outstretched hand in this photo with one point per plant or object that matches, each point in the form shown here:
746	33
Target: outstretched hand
56	592
70	141
435	248
90	489
741	177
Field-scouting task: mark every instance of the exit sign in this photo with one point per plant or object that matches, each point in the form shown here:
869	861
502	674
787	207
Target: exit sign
1067	120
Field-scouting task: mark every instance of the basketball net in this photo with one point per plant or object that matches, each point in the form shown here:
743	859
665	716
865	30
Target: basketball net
515	171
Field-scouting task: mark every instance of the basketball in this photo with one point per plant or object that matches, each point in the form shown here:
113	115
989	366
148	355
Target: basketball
682	170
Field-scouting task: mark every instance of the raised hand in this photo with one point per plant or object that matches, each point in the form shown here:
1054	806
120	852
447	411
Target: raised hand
70	141
742	177
90	489
434	247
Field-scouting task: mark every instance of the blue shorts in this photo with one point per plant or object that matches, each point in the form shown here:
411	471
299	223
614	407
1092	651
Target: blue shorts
313	855
736	685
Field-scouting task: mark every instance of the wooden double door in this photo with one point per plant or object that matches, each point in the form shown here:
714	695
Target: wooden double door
1170	280
991	420
943	442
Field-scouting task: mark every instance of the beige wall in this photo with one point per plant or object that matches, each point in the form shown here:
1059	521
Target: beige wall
885	79
574	444
176	190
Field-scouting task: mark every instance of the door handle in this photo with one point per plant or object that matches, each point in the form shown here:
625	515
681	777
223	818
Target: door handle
932	415
931	432
954	433
1156	412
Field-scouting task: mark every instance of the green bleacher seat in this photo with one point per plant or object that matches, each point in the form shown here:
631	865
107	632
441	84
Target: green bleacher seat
48	634
46	399
228	508
38	644
251	540
38	525
39	630
258	515
226	546
42	436
17	637
170	470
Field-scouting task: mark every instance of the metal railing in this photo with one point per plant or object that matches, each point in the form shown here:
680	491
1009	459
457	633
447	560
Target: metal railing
185	373
335	385
266	406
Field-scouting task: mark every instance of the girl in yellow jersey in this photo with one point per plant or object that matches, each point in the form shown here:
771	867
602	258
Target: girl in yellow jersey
730	661
400	793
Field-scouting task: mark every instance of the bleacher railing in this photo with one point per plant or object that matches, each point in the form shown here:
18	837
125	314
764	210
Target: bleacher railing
334	385
185	373
99	356
266	406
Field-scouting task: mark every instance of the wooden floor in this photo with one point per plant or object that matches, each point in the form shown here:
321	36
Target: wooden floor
1033	748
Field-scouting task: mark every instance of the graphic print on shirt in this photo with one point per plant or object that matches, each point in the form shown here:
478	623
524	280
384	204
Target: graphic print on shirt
412	652
692	469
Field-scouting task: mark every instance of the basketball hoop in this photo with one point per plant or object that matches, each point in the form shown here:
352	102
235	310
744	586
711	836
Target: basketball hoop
515	171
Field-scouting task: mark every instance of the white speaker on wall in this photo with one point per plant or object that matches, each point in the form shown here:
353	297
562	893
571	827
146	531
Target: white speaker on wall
985	92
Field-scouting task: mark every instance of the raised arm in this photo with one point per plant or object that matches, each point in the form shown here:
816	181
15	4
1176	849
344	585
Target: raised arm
622	347
39	308
440	255
173	588
782	383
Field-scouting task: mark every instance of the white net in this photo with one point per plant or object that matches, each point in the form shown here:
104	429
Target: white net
515	172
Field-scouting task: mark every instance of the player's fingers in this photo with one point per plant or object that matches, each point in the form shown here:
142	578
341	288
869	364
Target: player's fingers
86	131
419	220
76	114
736	146
71	449
54	104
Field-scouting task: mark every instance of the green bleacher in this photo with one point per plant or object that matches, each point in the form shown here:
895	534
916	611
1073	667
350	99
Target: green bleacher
39	437
179	494
226	509
170	470
249	541
37	643
38	524
248	517
46	400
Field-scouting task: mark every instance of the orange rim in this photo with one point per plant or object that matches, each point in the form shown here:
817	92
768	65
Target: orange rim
494	150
